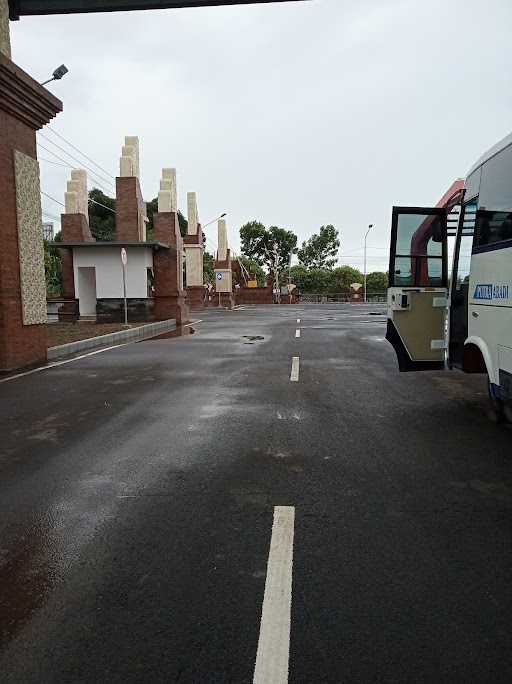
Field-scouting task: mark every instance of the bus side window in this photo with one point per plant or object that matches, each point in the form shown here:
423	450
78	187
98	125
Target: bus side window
419	250
494	217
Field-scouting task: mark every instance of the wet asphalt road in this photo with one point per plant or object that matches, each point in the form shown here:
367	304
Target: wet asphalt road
137	489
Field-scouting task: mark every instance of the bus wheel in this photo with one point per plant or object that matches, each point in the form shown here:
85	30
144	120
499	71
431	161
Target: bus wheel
496	411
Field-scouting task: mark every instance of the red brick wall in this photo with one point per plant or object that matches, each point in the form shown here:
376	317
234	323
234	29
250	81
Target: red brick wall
169	298
254	295
19	345
75	228
129	209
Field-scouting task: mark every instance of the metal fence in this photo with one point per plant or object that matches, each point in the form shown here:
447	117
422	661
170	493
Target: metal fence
325	298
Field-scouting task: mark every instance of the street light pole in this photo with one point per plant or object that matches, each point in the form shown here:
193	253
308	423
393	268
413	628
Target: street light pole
213	220
366	235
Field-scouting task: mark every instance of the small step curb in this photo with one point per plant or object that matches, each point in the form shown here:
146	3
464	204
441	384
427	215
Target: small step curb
141	332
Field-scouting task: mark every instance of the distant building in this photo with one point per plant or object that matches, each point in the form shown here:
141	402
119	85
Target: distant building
48	231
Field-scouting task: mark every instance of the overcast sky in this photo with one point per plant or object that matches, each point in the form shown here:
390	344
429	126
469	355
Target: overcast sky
295	114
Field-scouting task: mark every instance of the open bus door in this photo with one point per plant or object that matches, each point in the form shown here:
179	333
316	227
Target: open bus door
418	287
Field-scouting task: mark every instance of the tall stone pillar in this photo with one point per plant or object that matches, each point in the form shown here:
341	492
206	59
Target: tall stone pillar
25	107
130	207
5	40
194	256
74	228
170	297
223	272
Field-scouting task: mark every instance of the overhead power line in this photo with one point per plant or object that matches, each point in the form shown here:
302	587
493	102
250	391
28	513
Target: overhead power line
52	198
101	205
50	216
49	161
79	161
107	191
49	128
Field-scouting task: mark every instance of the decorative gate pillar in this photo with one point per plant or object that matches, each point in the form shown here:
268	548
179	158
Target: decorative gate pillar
170	301
194	256
223	272
74	228
25	107
130	207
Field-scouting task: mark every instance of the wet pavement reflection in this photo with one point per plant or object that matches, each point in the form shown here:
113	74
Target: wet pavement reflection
181	331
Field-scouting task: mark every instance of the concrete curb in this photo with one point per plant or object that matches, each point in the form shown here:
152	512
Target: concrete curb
142	332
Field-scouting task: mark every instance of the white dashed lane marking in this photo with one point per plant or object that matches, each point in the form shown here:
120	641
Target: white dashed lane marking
274	641
294	375
297	332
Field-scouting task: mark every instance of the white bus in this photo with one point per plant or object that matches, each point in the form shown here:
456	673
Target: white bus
465	321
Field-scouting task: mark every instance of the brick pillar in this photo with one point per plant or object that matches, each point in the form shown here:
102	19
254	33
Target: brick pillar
130	210
170	298
25	107
75	228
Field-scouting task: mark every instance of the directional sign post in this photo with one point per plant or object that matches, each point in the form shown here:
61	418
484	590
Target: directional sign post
219	278
124	261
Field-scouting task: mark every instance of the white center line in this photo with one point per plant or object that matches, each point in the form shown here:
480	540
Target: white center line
297	332
298	320
294	375
274	642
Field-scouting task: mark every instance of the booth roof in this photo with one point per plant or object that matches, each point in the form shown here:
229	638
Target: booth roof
152	243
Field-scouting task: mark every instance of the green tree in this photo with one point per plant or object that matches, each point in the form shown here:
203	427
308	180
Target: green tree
252	238
321	250
312	280
344	276
299	277
320	280
258	243
253	268
183	223
151	208
377	281
102	219
52	270
208	271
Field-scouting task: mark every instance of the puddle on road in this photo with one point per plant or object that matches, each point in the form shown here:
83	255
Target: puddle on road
180	331
26	578
251	339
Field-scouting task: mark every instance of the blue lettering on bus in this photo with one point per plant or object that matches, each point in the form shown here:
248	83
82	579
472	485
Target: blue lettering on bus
483	292
490	291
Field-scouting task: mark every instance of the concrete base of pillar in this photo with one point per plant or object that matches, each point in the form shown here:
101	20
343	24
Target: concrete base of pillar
196	297
172	306
69	311
227	300
26	347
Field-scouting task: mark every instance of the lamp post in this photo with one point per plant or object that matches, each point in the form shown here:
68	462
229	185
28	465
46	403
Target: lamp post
213	220
57	74
366	235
